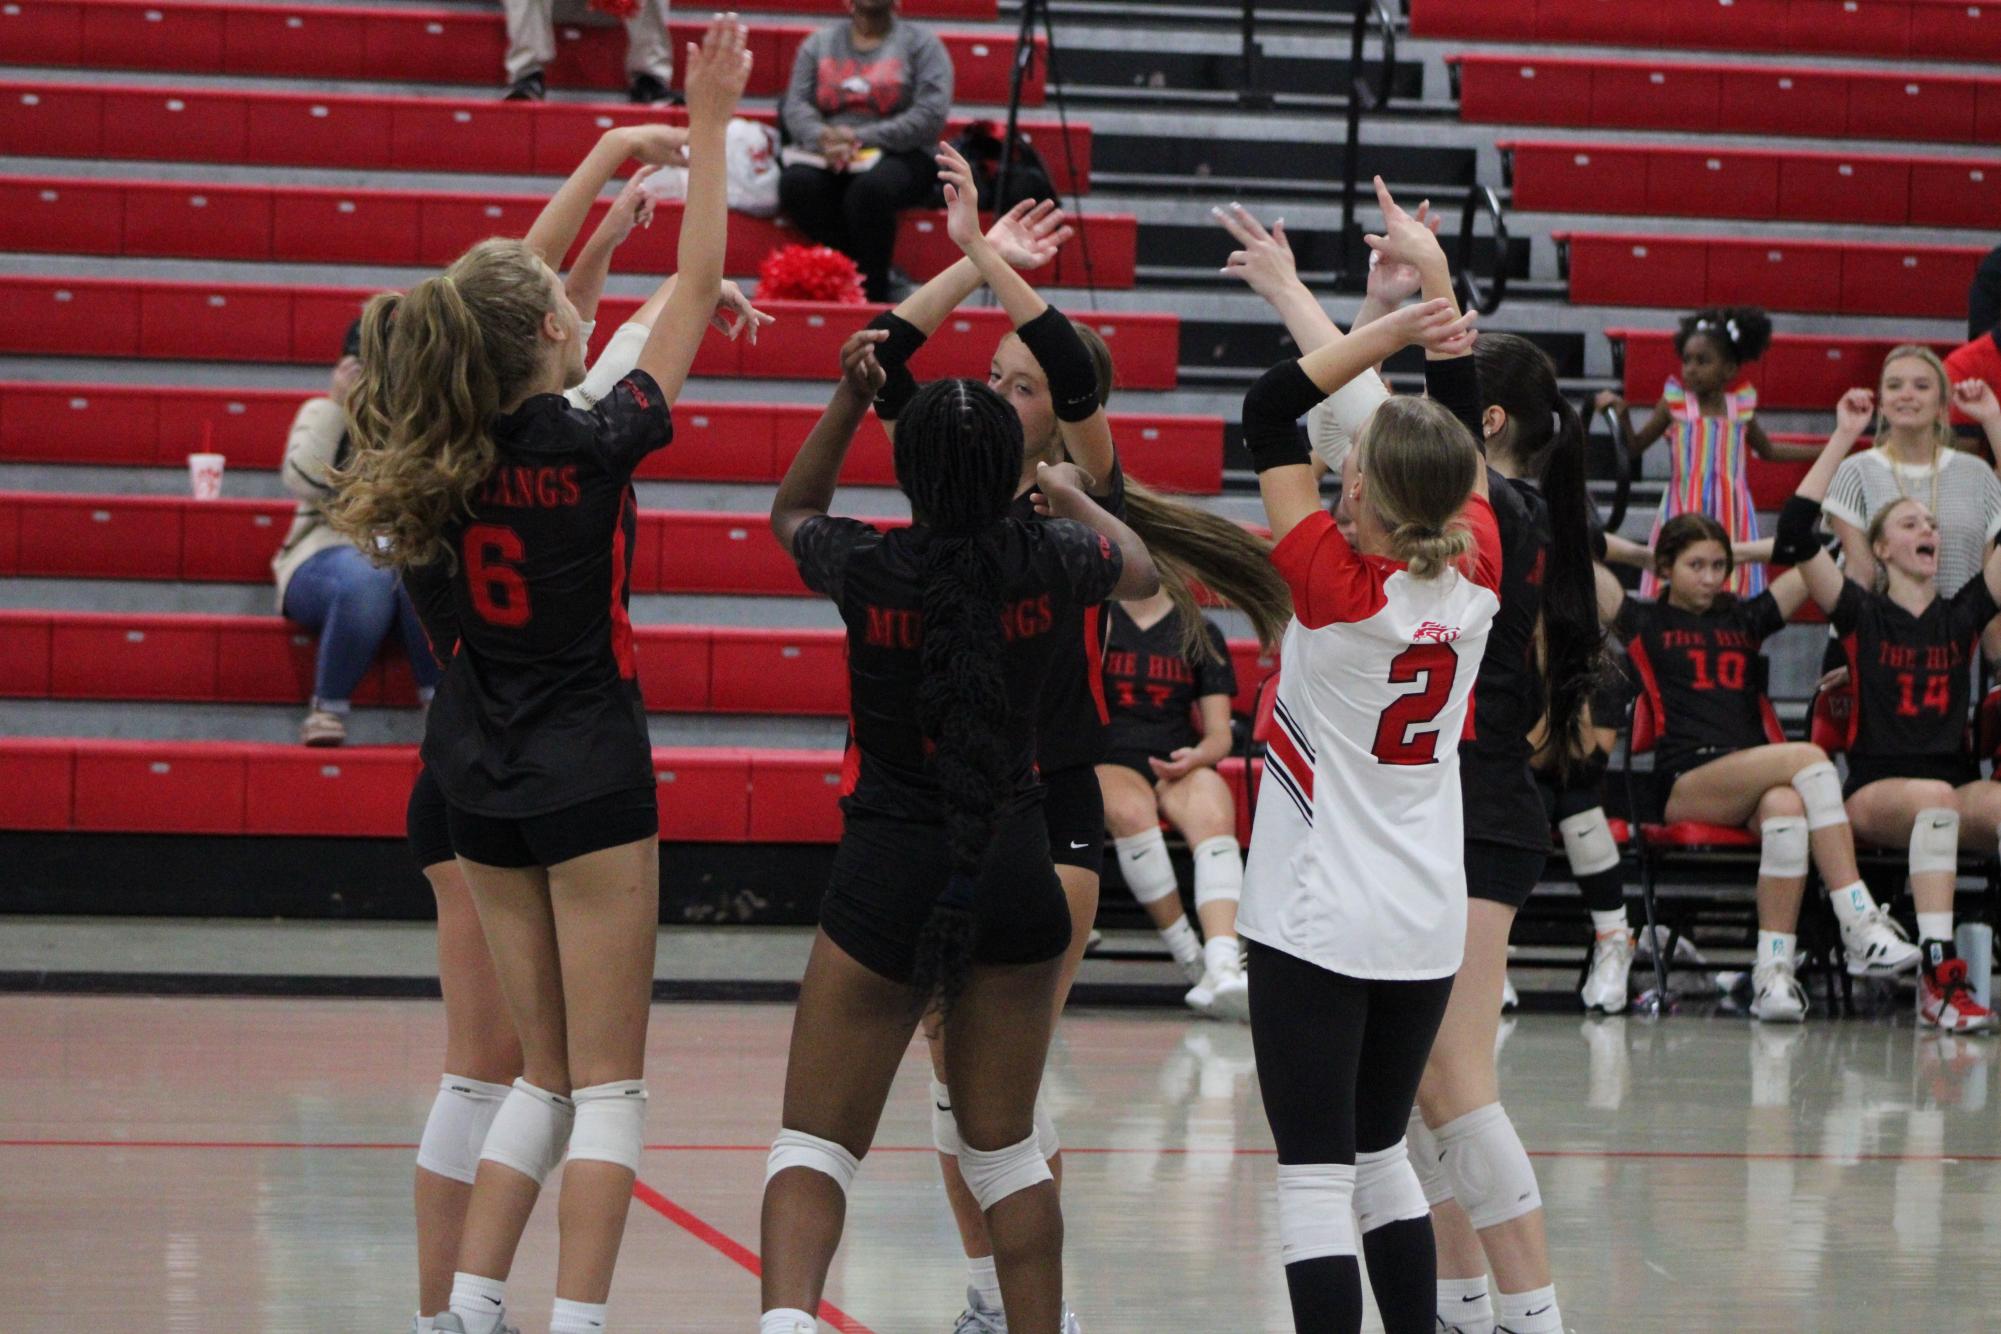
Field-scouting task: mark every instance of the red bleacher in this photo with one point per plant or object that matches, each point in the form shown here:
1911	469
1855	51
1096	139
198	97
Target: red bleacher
1925	29
420	45
1806	371
483	135
1764	184
1849	277
105	317
200	787
1729	98
197	220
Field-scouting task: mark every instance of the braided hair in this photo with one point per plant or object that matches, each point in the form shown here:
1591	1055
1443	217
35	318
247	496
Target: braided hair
958	458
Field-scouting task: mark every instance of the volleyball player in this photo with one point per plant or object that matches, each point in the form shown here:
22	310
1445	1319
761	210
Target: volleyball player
944	894
467	453
1355	911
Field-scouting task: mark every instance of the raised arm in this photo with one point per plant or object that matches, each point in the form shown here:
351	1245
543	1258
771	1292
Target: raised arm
1060	494
717	71
1266	265
633	208
556	228
808	487
1796	543
1975	399
1047	333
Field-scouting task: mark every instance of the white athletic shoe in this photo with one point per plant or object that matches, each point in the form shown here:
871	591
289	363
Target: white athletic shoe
447	1323
1611	967
1877	947
1776	994
1223	991
1511	1000
978	1318
1071	1324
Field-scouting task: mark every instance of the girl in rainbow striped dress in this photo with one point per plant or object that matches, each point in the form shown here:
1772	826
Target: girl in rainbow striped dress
1709	415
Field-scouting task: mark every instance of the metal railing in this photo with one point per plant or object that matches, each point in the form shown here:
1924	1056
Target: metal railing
1483	295
1362	96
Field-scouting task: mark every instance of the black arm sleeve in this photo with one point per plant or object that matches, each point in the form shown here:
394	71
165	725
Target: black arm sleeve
1272	410
893	354
1795	540
1073	380
1454	383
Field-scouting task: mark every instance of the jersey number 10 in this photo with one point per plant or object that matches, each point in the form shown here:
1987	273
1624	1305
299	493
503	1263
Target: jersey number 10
1398	740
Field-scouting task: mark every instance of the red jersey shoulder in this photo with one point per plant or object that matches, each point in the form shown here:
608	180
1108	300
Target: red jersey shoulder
1331	582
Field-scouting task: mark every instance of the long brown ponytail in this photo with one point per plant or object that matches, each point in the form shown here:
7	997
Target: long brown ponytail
437	364
1193	546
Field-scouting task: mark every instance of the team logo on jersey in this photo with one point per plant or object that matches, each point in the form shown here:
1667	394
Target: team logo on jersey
1436	632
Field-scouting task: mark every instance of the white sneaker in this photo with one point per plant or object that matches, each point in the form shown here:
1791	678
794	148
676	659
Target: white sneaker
1511	1000
978	1318
1071	1324
447	1323
1223	991
1605	989
1877	947
1776	994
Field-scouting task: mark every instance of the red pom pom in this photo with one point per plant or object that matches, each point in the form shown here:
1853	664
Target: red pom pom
618	9
809	273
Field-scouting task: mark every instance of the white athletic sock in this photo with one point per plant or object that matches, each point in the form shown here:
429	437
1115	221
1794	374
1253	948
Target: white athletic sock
787	1320
983	1279
479	1302
570	1317
1222	955
1530	1312
1935	926
1464	1306
1610	922
1183	943
424	1325
1775	947
1851	903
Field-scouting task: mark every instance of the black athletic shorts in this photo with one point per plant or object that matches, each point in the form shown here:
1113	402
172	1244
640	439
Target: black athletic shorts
1073	805
610	821
1135	760
425	823
889	872
1958	770
1500	873
1666	776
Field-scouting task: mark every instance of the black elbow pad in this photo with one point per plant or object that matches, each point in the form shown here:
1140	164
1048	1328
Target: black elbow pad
1272	410
1073	381
1796	540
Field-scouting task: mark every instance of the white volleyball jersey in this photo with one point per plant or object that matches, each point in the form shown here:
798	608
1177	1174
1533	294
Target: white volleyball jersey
1356	860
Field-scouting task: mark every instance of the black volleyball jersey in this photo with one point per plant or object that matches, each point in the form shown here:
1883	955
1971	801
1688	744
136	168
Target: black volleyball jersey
1071	717
1051	571
539	709
1497	787
1704	674
1911	675
1151	686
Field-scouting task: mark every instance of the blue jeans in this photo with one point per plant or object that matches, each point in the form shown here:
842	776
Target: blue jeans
354	605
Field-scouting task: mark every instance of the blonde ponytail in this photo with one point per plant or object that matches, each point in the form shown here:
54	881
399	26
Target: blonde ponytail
1419	465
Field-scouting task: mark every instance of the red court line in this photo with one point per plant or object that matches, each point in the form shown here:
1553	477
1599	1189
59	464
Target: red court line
732	1249
1693	1155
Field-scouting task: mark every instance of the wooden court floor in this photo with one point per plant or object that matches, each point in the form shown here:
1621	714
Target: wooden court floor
244	1165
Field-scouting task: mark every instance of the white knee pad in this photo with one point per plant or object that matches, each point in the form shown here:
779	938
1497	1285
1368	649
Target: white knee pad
1148	870
1819	787
1219	871
1488	1167
1315	1210
530	1131
461	1115
1423	1146
1935	841
611	1123
1588	842
1783	848
796	1148
1387	1189
944	1130
994	1174
1046	1142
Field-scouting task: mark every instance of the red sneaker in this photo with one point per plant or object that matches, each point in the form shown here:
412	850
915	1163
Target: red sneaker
1945	997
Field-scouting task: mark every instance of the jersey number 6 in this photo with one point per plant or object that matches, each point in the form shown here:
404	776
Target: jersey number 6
499	593
1397	739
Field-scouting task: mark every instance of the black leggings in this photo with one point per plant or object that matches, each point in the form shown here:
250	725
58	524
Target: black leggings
855	213
1339	1059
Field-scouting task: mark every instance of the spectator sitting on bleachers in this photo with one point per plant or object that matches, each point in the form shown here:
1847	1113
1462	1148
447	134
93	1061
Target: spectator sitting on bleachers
863	116
1711	412
324	582
1695	655
531	45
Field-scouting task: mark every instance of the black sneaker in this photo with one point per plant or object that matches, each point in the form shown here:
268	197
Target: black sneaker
530	87
646	90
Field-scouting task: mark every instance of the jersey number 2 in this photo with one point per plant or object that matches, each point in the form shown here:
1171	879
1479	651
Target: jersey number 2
499	593
1398	738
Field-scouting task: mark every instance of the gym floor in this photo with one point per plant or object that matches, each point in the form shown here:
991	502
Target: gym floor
244	1164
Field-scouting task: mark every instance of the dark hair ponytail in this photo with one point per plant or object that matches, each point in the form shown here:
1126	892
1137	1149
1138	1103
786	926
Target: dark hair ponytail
1545	437
958	457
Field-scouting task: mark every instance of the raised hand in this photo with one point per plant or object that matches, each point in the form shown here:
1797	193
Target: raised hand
1061	490
1265	261
1434	326
717	70
861	374
656	145
632	209
1975	398
1404	239
1393	282
962	198
1854	412
1028	235
735	314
